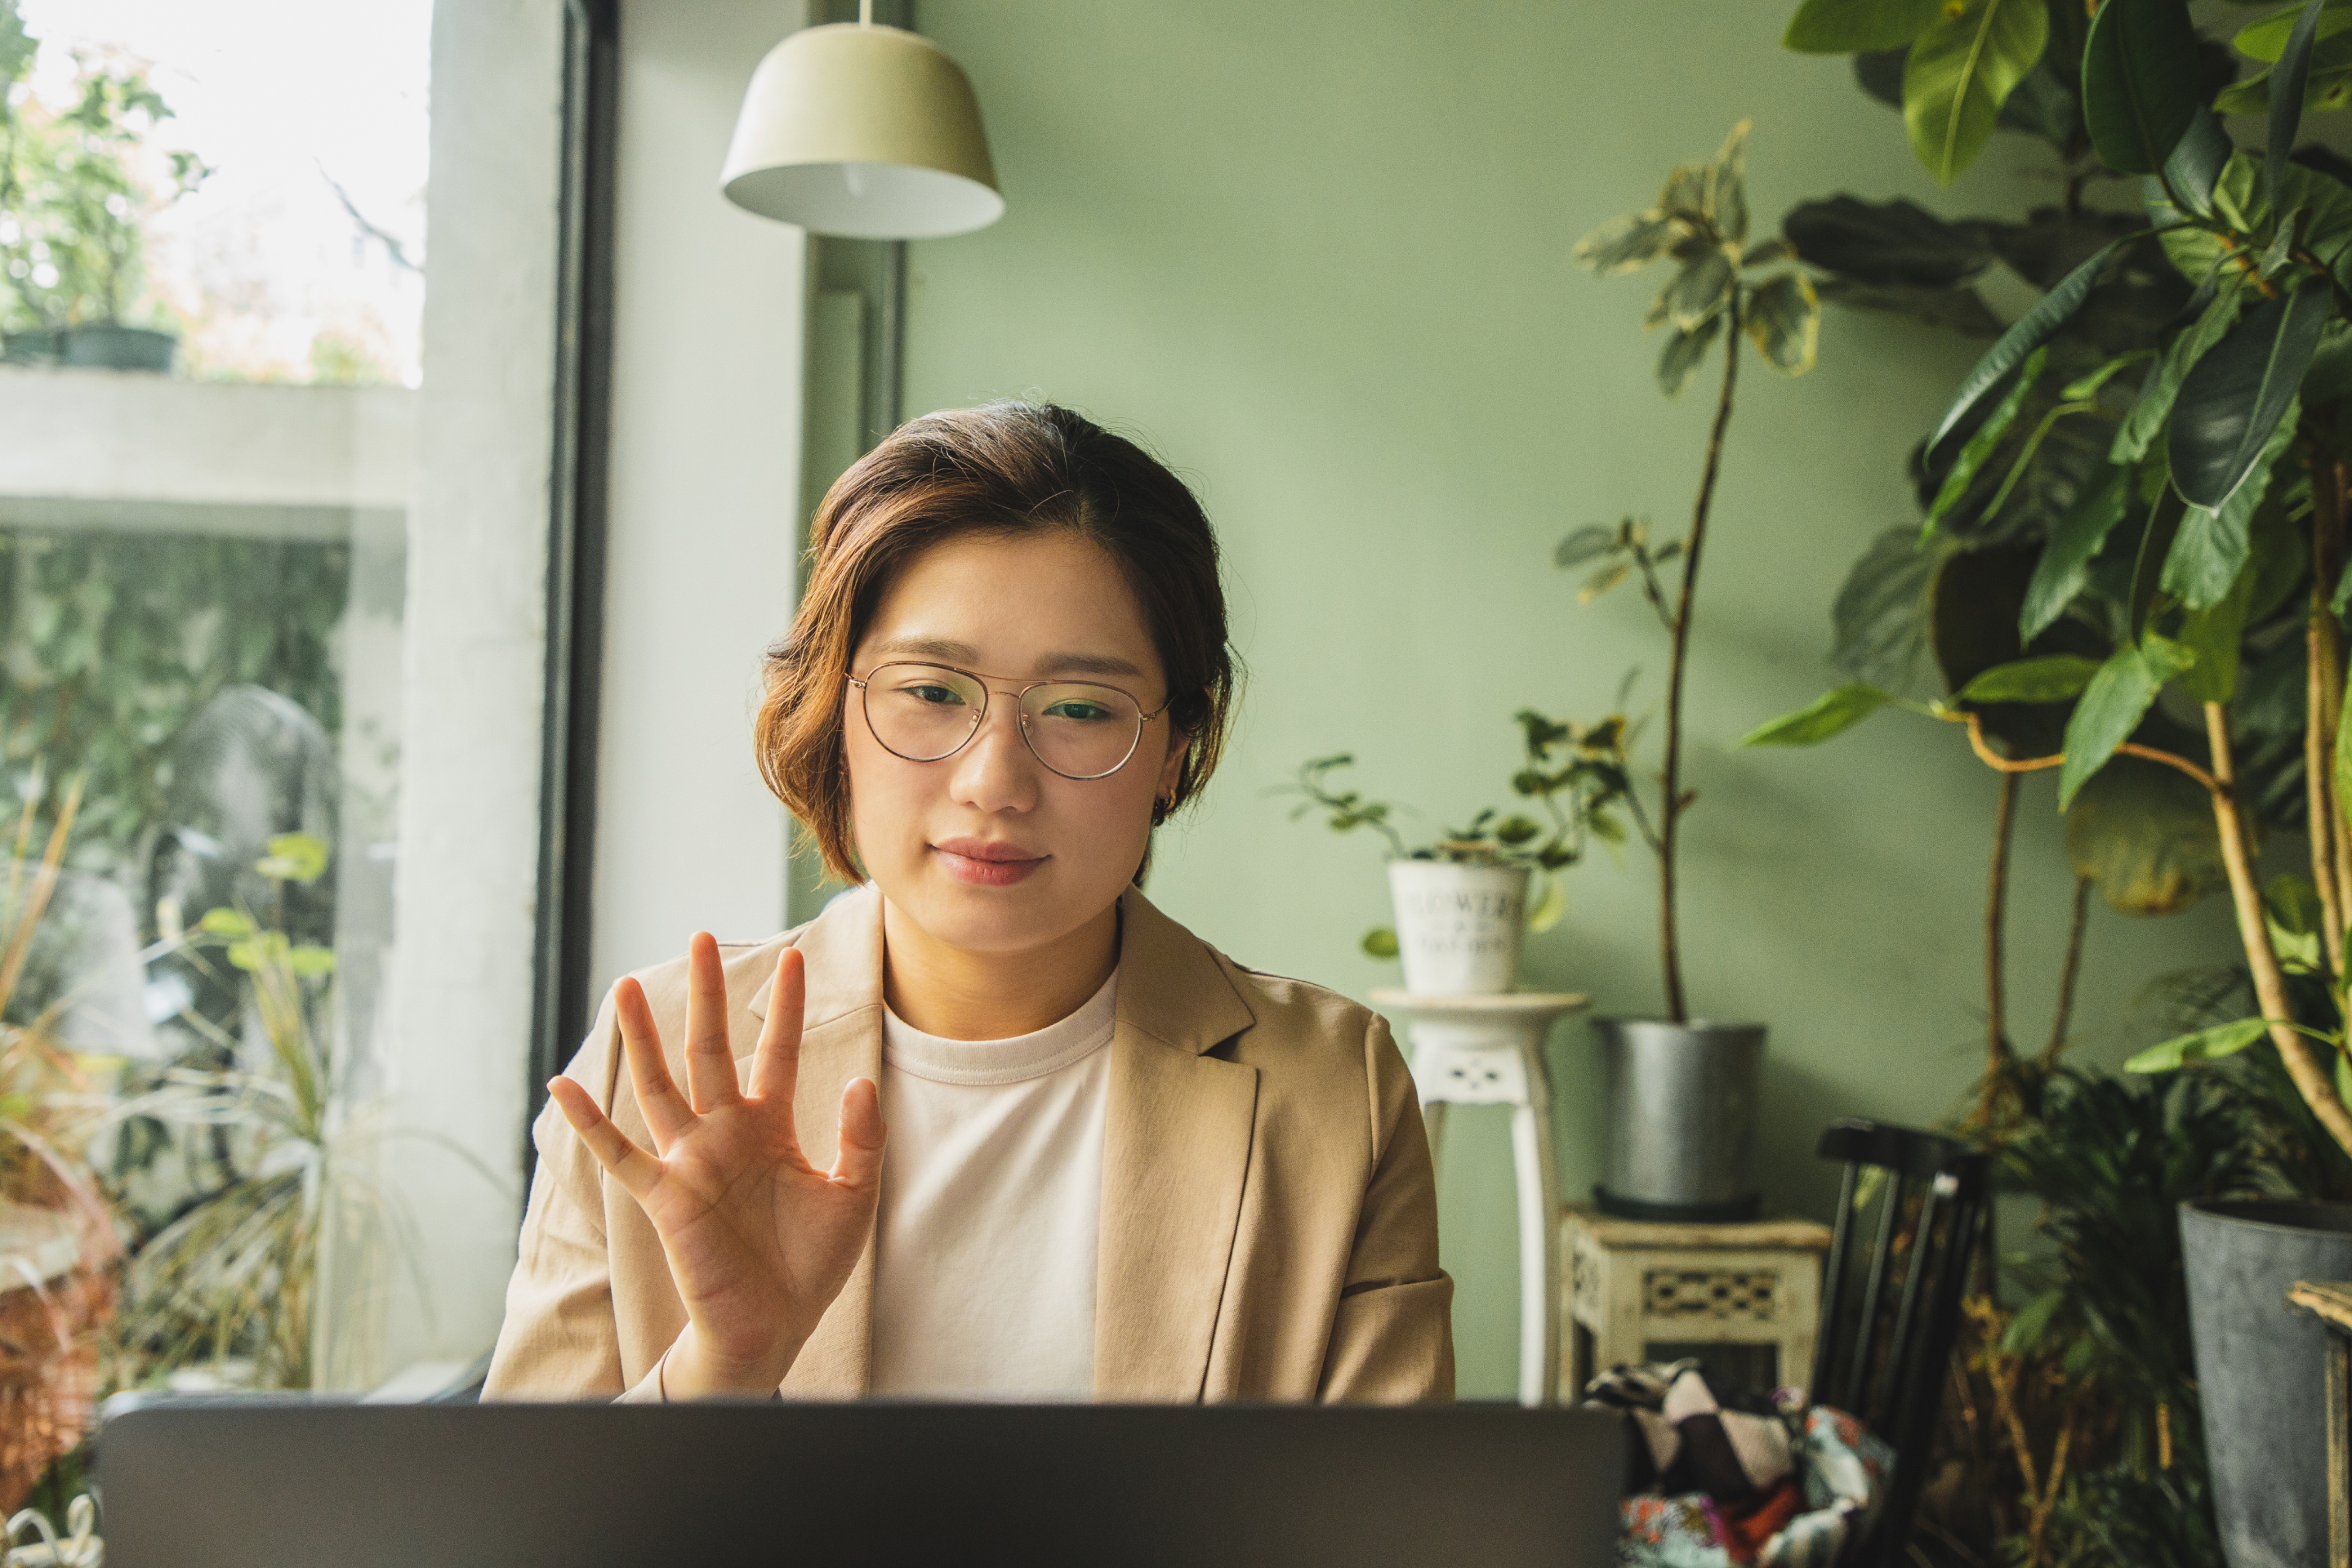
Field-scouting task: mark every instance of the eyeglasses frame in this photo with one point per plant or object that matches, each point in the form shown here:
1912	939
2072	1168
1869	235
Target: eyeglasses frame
987	695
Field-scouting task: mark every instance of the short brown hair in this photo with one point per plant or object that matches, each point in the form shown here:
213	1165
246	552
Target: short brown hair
1005	469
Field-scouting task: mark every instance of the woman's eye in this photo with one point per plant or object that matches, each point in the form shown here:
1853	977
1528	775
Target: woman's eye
1084	712
943	695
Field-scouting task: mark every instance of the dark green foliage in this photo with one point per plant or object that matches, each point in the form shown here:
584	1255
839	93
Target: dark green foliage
113	640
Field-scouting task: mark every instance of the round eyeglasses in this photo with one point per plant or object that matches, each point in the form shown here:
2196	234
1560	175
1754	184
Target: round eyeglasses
924	713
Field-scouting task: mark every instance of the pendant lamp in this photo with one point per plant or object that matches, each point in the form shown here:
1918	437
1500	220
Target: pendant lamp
865	133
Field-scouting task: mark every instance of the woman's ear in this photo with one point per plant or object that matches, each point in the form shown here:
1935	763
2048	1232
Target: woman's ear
1171	772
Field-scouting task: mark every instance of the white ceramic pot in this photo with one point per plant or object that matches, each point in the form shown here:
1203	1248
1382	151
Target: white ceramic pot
1458	927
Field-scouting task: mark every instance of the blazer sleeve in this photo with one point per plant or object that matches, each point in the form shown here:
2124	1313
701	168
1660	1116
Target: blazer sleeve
559	1339
1392	1340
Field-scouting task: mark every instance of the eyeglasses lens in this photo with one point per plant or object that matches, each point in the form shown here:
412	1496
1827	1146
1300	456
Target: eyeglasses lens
923	713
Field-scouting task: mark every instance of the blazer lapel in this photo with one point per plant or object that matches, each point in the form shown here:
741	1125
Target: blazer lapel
1176	1150
841	1040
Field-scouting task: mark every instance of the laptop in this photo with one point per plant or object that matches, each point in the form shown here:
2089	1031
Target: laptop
217	1484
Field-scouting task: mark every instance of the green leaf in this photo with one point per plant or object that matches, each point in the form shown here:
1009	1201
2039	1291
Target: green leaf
1594	539
1629	241
2025	335
1381	942
2144	834
2266	39
308	961
2054	678
1550	906
1857	26
1988	436
1832	713
226	922
1892	243
2232	401
2204	1045
2325	90
2157	394
2213	634
2112	707
2329	379
2140	82
2064	566
1960	72
2198	161
2293	71
1699	291
2148	566
2210	554
1727	186
1682	352
294	857
2343	759
1784	318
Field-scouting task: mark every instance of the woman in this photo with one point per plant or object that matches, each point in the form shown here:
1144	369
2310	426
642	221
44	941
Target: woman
1119	1165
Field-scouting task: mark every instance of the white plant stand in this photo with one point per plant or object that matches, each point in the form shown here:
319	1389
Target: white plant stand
1488	1050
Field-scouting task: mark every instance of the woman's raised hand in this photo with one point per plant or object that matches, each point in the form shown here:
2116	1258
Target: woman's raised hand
760	1241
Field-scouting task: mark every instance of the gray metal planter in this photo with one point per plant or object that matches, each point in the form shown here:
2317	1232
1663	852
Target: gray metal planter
2259	1368
1678	1104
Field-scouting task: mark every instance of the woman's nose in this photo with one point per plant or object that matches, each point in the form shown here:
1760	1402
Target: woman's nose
995	770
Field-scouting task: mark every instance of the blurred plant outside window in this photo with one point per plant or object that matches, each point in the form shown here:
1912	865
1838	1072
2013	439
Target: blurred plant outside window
201	614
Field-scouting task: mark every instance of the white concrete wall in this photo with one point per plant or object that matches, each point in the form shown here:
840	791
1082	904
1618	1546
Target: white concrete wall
704	488
467	876
92	435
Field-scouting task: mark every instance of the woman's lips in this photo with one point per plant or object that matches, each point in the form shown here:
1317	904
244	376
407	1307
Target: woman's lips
986	863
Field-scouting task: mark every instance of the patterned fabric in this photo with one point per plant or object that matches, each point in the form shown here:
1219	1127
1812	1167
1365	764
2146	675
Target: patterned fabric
1717	1478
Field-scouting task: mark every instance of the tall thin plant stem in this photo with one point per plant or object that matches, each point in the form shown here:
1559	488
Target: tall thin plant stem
1671	814
2064	1014
2004	831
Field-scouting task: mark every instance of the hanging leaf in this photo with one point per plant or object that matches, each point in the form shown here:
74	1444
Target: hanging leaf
2210	554
1888	242
2233	399
1727	186
2204	1045
1380	942
2029	332
1961	310
2154	406
2112	707
1988	437
2292	70
2140	82
1784	318
1699	291
1594	539
1883	612
2065	561
1832	713
2054	677
2213	635
1546	910
2198	160
1960	70
2267	39
1629	241
1853	27
1683	351
2143	833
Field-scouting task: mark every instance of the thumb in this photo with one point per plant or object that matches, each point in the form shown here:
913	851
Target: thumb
858	1165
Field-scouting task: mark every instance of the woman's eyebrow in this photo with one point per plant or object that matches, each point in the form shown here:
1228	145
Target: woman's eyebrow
943	650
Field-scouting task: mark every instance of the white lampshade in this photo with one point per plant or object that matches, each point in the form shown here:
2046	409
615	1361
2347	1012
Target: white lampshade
865	133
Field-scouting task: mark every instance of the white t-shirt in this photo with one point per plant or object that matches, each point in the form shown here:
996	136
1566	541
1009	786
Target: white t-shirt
992	1187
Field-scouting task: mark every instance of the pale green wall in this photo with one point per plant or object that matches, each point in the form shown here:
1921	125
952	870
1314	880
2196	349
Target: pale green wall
1315	253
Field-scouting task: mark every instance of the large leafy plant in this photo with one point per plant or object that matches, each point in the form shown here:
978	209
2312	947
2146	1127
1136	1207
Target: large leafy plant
2203	555
1722	287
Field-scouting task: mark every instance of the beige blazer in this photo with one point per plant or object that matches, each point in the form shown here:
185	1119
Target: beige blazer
1269	1220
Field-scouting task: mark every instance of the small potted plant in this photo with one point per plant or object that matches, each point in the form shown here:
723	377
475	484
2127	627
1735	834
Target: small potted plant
1463	900
73	202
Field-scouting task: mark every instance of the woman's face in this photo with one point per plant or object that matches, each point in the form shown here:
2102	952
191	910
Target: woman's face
989	850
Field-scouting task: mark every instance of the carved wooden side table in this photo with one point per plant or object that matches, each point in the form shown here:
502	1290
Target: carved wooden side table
2331	1305
1488	1050
1633	1284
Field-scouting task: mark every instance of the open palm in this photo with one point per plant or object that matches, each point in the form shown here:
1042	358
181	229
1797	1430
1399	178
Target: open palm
759	1240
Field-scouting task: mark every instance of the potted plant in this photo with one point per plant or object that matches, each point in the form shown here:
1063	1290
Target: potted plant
57	1242
1463	900
73	201
2206	555
1680	1100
